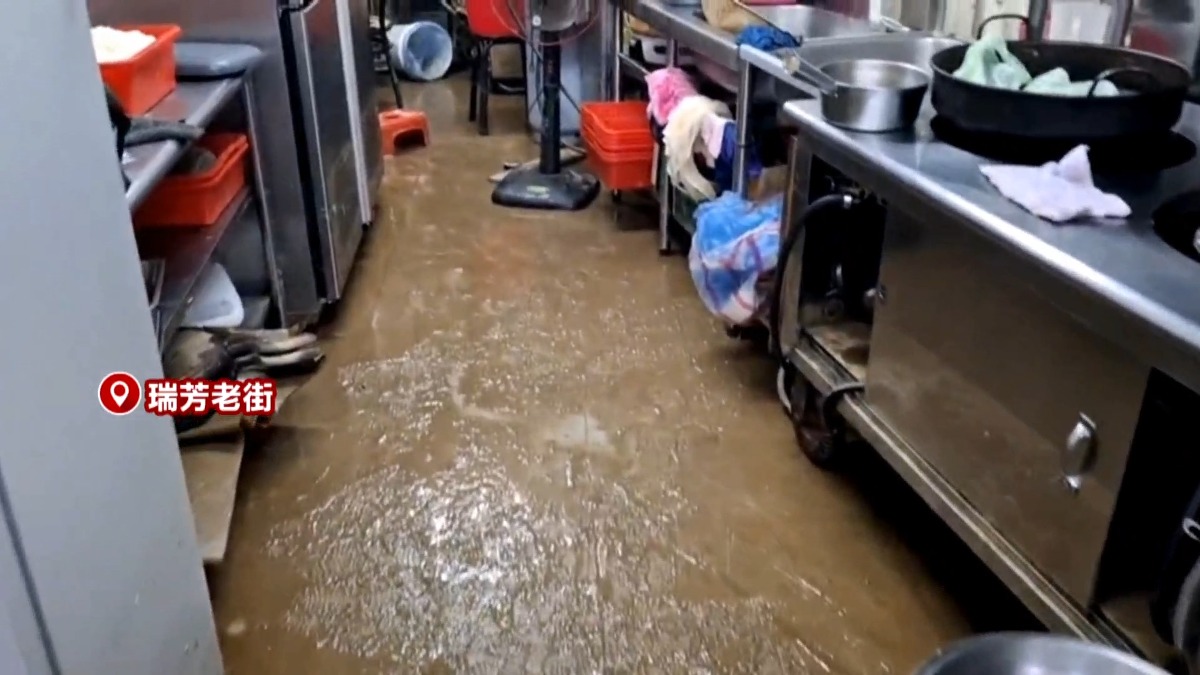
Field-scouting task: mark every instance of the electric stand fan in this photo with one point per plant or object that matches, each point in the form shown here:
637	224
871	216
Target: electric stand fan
549	185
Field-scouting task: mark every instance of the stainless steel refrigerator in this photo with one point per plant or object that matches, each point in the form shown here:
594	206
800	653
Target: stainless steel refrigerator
327	48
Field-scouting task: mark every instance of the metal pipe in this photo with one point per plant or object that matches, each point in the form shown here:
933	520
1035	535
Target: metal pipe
1039	13
1118	22
265	214
618	28
936	19
742	121
664	182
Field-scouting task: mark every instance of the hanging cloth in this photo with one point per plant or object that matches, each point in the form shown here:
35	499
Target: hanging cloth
666	88
682	138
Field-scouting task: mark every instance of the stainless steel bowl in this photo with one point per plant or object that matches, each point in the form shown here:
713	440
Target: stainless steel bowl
874	95
1034	654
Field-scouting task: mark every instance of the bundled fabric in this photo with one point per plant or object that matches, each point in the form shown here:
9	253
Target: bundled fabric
766	38
988	62
667	87
681	140
736	244
723	167
1057	191
718	144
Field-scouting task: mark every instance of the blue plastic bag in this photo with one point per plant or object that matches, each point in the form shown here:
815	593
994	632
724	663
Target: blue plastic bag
735	244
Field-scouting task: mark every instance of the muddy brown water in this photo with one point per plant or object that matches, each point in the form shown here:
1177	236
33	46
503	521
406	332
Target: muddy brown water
531	450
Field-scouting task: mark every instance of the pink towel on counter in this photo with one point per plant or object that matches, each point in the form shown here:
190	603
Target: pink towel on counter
1057	191
667	87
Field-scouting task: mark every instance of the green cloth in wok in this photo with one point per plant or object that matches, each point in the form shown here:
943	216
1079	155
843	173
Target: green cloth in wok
988	62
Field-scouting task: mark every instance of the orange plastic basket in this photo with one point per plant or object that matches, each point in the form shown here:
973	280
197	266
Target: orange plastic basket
199	199
619	169
619	143
141	82
618	125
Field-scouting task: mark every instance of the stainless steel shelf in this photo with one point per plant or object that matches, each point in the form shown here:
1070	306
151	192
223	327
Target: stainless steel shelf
632	68
195	103
188	252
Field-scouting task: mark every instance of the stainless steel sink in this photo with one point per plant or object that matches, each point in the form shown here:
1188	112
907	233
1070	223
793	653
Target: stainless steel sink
914	49
812	23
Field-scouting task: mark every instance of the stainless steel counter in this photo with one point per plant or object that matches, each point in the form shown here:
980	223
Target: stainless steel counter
269	119
687	27
1120	280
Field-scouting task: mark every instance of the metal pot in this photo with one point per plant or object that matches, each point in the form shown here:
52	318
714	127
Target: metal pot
866	94
1019	653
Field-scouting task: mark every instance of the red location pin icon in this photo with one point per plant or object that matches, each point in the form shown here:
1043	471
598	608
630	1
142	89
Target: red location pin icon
119	393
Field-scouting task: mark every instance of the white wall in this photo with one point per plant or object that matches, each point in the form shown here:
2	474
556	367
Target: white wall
961	15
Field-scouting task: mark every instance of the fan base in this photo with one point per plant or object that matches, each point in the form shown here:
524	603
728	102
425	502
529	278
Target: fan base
529	188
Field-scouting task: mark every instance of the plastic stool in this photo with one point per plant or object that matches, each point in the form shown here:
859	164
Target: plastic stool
398	125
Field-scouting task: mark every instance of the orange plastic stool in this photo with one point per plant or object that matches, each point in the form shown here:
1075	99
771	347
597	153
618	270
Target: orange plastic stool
401	125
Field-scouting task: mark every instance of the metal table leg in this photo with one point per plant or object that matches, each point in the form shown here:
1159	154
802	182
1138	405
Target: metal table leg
618	22
264	207
745	90
664	183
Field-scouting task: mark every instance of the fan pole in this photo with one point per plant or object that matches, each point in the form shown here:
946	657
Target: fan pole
551	160
548	186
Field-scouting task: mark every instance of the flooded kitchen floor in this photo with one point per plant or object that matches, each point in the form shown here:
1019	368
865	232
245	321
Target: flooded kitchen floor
532	450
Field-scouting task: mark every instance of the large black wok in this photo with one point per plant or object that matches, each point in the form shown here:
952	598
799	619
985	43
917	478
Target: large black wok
1151	99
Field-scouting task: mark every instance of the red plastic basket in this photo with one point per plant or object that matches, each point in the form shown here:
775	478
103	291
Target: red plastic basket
618	124
620	145
494	19
619	169
139	83
199	199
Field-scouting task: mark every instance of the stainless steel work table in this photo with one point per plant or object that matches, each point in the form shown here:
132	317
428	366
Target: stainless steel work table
1121	280
680	25
684	25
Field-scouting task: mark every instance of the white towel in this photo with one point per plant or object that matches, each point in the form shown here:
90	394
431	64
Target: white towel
681	140
712	134
1057	191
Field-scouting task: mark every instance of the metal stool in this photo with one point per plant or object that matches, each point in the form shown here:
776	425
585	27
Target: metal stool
490	23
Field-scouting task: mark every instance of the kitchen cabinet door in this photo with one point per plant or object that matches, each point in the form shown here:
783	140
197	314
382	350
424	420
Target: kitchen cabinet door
1020	407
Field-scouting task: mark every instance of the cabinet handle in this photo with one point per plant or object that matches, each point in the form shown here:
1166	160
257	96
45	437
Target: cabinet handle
1079	453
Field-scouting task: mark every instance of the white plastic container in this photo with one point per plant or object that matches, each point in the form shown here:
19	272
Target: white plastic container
421	50
217	303
654	51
